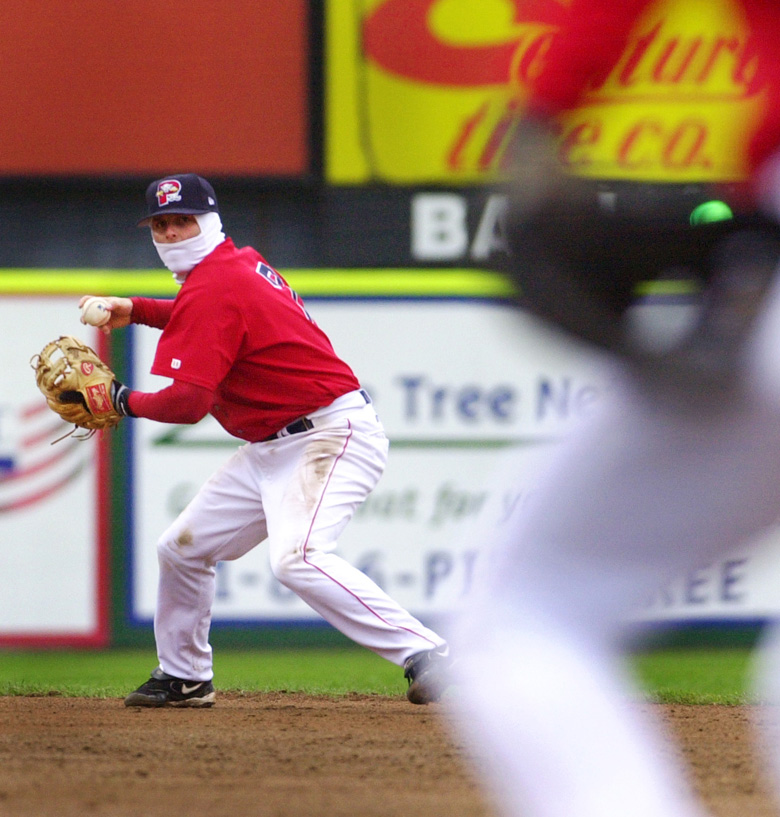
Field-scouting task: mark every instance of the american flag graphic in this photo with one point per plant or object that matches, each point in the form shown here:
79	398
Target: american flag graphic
32	465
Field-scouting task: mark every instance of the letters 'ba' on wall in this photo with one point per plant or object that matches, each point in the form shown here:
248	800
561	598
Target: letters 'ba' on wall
427	90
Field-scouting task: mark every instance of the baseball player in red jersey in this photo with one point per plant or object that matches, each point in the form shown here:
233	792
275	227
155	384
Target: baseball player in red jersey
679	464
238	343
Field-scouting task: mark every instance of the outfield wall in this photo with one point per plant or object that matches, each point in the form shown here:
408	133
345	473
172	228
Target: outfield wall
461	380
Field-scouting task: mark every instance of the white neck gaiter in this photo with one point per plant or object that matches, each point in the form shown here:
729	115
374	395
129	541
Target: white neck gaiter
181	257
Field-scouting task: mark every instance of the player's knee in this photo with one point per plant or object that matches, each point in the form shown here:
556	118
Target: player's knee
165	554
286	566
172	547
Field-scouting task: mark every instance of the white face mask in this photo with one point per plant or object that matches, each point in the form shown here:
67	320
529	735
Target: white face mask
183	256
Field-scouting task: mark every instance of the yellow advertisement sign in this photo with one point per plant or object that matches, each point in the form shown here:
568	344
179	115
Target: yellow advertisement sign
422	91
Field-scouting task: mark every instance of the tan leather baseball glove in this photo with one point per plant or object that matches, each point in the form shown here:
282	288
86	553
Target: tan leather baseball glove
78	385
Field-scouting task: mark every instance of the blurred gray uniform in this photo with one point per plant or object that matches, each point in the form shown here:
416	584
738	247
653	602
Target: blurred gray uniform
680	465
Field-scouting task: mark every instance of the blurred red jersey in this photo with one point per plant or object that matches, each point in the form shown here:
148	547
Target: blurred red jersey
596	34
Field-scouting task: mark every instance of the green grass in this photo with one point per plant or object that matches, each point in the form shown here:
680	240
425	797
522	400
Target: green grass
699	676
696	676
116	672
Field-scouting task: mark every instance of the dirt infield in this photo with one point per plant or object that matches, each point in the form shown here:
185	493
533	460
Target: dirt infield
293	756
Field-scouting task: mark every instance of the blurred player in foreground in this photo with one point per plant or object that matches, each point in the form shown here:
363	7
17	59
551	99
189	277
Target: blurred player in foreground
680	464
239	344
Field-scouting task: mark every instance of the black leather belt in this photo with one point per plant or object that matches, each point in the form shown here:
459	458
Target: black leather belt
304	424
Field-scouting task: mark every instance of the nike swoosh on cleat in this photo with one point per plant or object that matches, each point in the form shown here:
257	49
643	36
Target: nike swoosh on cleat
186	690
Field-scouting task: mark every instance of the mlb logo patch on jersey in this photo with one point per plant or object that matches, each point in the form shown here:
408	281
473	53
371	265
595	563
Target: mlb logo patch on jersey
168	191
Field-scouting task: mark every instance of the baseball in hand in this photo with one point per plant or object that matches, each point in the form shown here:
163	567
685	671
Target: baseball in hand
95	311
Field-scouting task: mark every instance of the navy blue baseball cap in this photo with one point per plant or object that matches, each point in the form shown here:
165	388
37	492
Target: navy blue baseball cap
185	193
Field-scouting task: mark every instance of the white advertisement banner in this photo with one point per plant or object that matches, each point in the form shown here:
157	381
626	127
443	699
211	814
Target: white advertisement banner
50	559
459	386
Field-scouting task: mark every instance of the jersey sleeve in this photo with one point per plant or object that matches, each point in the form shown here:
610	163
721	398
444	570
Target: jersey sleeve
582	54
178	403
154	312
204	334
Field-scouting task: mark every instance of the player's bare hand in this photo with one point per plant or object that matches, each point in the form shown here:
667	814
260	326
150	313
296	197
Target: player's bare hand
120	310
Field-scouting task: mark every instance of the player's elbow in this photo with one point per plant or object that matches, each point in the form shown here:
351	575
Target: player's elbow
189	402
189	414
179	403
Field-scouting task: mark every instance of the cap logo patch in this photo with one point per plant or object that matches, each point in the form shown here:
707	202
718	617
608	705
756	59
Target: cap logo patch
168	191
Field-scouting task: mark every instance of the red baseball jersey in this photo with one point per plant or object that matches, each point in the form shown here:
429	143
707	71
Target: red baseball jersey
237	329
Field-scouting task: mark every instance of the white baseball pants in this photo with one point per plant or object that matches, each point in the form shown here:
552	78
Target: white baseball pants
630	501
298	492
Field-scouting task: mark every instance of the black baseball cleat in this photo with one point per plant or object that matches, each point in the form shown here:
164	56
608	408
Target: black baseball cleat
427	674
165	690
